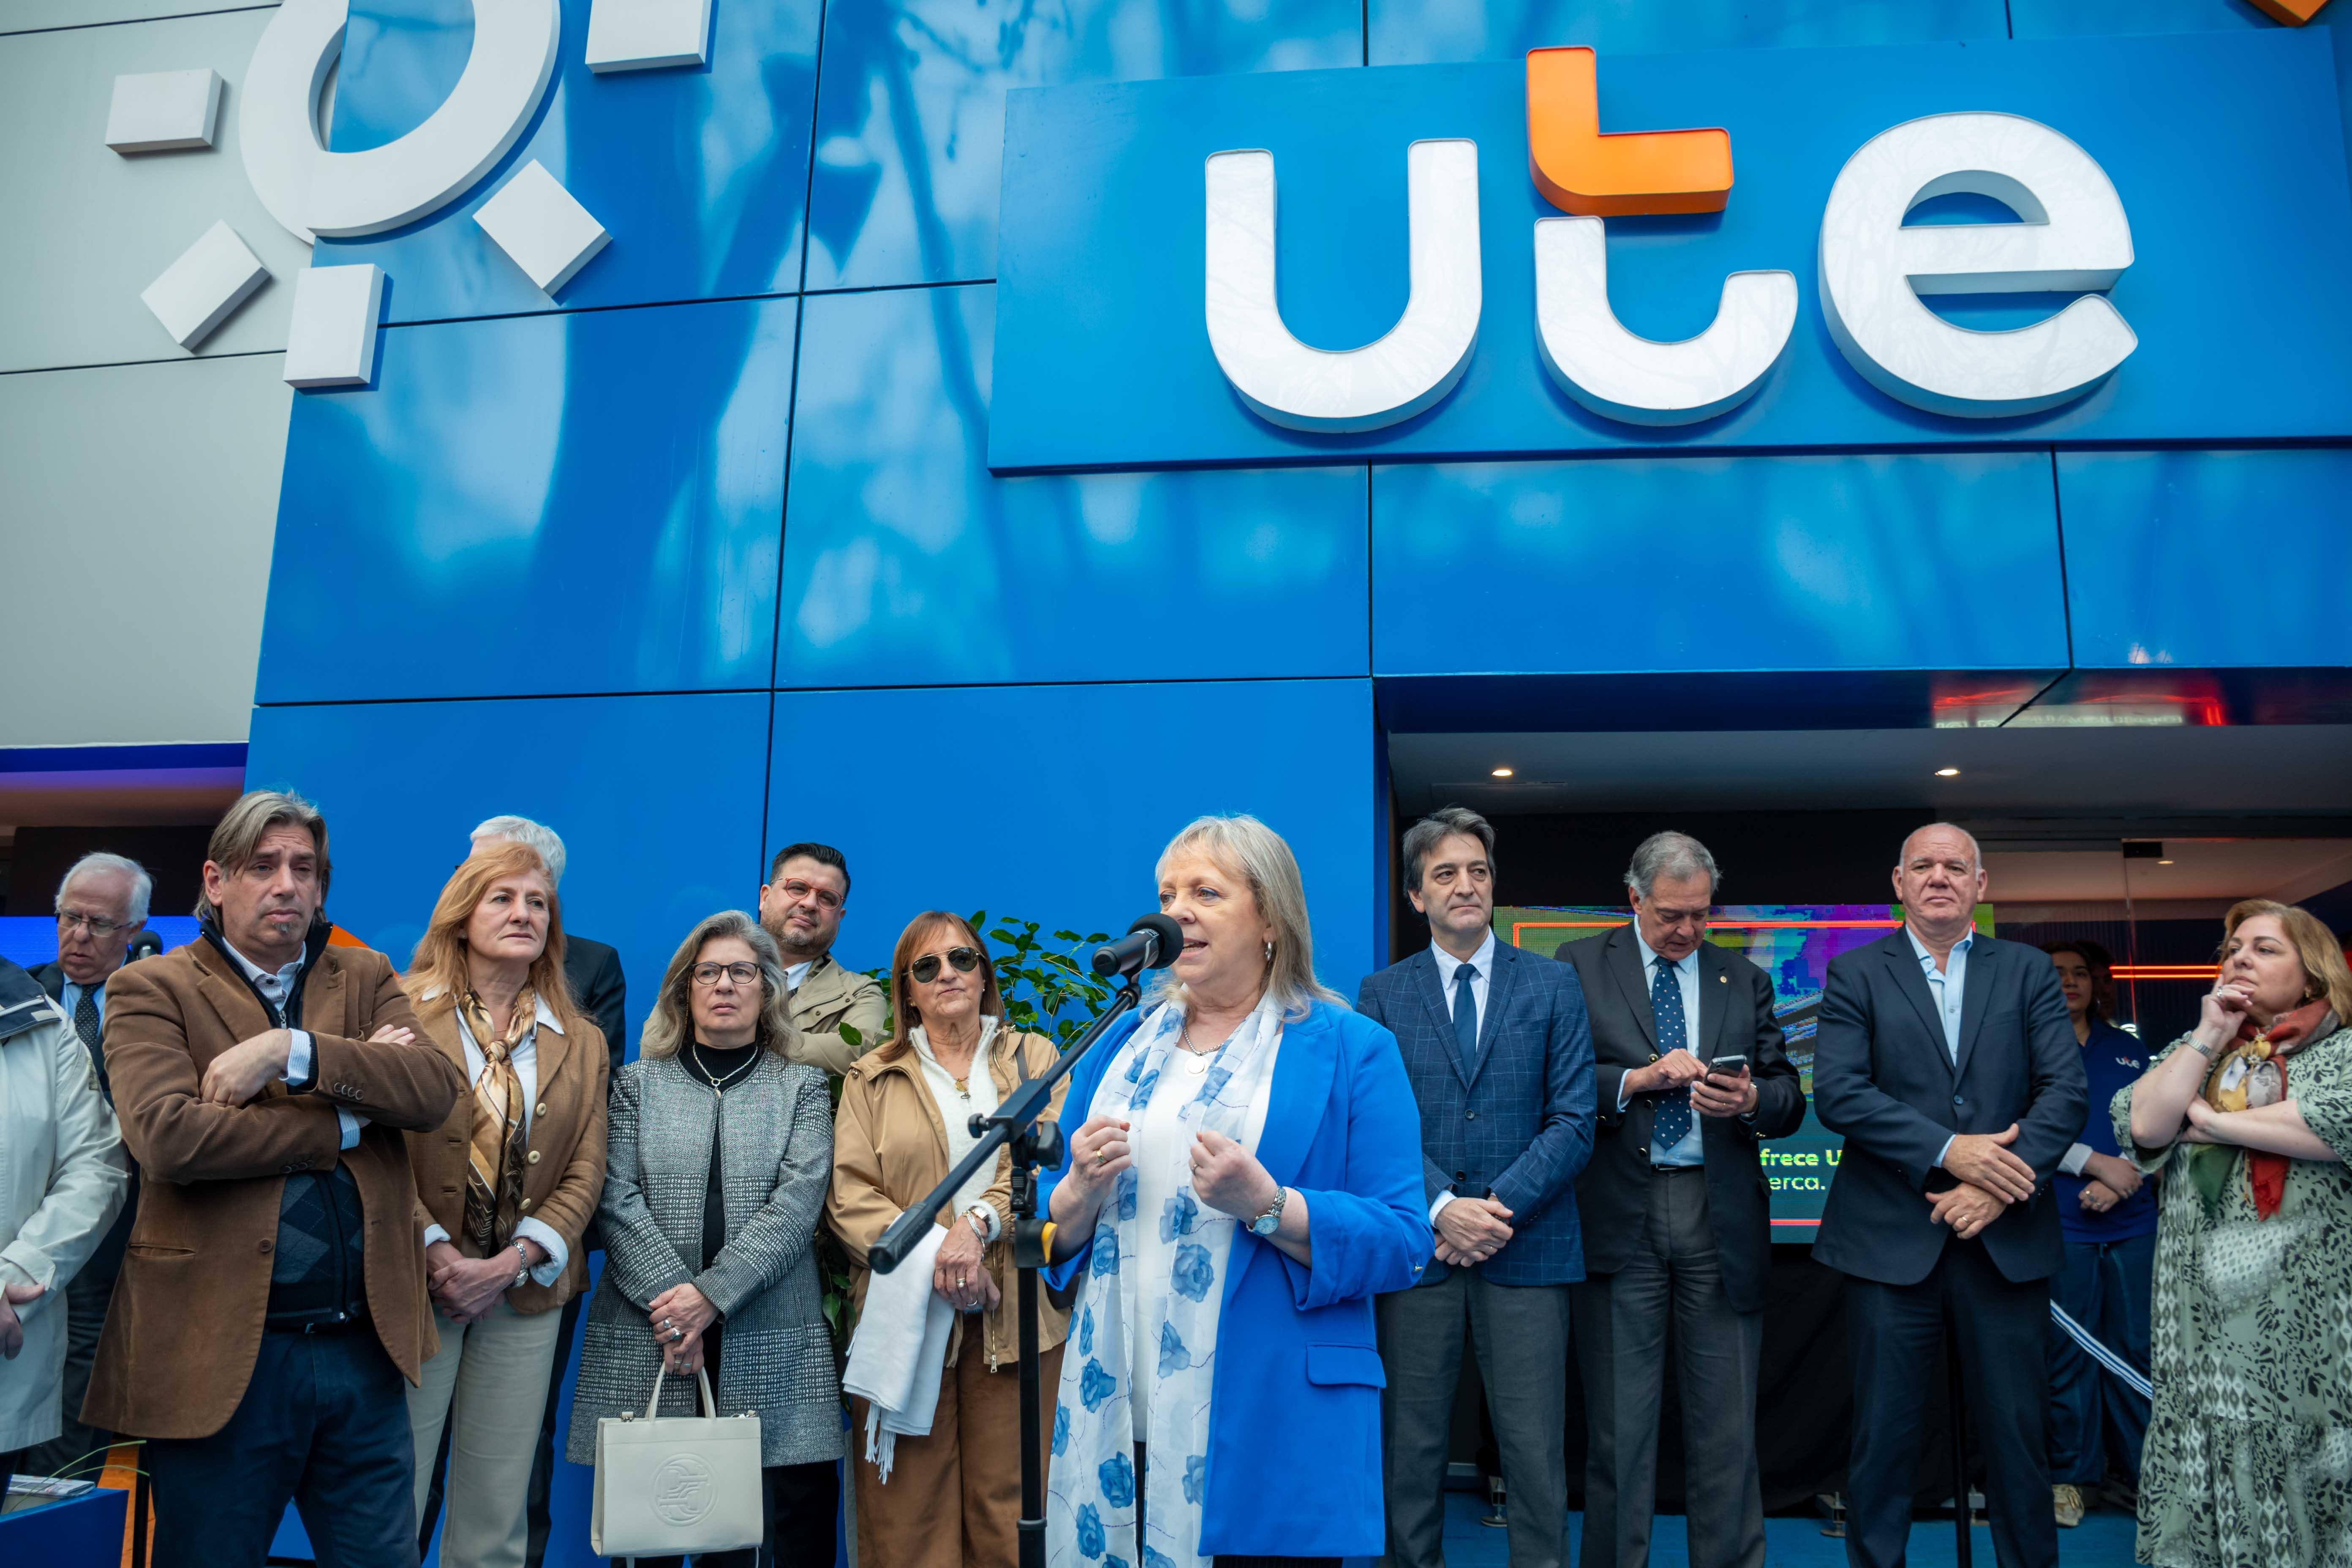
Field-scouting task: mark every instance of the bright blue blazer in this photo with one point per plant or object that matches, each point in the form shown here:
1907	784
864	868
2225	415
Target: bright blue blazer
1296	1392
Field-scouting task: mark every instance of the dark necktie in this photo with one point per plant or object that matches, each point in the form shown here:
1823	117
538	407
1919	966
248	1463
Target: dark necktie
1466	1011
1673	1122
86	1019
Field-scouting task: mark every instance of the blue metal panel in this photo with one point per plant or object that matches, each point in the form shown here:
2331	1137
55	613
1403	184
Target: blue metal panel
1104	361
1430	32
2077	18
912	111
585	502
698	175
906	562
657	799
1943	562
1052	802
2153	539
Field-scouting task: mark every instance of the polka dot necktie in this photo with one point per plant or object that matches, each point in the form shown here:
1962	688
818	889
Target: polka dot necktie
1673	1122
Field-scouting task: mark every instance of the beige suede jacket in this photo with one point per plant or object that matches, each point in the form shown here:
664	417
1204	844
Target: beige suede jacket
890	1148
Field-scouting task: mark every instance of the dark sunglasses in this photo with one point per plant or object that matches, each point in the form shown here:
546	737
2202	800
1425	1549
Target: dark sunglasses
926	968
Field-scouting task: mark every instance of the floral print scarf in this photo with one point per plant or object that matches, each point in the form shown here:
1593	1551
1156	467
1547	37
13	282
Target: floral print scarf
2250	1074
1091	1510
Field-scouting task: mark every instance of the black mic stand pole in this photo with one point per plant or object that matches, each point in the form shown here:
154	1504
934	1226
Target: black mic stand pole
1033	1144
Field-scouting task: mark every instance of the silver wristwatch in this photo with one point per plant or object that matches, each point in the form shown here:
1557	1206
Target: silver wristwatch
523	1273
1270	1221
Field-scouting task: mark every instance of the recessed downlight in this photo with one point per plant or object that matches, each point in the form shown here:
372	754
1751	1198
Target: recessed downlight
1502	772
2163	862
1948	772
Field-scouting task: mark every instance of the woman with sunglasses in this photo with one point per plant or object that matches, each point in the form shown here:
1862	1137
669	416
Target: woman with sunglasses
953	1495
719	1149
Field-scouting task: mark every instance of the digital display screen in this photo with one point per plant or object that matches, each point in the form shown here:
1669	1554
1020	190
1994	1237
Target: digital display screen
1793	943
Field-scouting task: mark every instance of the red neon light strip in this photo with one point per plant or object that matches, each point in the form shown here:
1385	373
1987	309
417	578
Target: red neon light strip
2167	971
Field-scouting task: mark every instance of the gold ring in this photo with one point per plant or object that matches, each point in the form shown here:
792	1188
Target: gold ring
1102	1156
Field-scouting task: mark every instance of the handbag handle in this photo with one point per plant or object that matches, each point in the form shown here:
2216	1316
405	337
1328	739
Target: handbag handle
701	1376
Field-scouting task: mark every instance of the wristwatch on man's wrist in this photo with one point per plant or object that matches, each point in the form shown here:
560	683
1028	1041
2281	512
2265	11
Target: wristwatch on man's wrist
1270	1221
522	1274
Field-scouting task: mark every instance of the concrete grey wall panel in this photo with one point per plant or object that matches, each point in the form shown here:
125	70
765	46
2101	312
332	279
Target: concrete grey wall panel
87	228
140	503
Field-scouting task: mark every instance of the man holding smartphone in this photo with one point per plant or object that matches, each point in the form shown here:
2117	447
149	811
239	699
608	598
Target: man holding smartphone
1690	1079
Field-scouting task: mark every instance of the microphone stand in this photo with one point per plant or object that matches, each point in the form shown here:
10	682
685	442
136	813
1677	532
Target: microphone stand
1033	1144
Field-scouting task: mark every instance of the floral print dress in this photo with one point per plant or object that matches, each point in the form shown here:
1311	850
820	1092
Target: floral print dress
2249	1456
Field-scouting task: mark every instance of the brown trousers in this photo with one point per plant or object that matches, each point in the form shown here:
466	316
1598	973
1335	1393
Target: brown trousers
953	1498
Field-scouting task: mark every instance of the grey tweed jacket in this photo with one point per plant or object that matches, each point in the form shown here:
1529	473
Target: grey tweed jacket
774	1135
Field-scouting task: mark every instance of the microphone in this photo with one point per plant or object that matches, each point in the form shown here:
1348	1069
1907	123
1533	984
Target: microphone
1151	942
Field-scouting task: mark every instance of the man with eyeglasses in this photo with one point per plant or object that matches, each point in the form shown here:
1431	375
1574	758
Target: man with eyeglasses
1678	1224
101	905
838	1012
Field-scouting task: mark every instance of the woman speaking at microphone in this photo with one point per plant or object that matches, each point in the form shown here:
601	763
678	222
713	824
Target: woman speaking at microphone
1244	1178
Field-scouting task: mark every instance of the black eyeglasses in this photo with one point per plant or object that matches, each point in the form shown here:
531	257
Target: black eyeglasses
926	968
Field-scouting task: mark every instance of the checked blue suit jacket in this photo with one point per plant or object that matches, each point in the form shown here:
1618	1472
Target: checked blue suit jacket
1516	1119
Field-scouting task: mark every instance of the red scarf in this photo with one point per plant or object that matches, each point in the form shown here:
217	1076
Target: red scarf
2288	1033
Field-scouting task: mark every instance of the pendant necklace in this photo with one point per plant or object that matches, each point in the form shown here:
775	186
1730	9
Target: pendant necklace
720	1083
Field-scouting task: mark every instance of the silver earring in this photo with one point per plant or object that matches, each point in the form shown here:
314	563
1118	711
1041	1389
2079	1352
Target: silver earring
1269	952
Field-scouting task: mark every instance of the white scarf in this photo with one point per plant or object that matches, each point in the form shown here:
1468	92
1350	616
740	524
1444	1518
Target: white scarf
1090	1511
899	1351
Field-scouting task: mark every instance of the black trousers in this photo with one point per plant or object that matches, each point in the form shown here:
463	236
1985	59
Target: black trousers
1896	1336
323	1425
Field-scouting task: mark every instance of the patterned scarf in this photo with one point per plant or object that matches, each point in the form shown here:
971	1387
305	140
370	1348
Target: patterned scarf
495	1164
2250	1074
1090	1512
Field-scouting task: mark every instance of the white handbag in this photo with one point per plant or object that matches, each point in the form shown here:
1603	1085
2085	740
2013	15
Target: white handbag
677	1484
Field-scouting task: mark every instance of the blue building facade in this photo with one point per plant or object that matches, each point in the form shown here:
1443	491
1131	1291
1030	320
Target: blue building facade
705	555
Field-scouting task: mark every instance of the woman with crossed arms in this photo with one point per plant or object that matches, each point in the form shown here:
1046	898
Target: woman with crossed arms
2248	1462
1244	1178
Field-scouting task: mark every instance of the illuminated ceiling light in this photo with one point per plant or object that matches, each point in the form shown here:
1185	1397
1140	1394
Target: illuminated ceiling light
2163	862
1948	772
1502	772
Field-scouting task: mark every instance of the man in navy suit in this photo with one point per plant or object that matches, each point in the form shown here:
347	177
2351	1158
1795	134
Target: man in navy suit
1501	1064
1947	1060
1678	1212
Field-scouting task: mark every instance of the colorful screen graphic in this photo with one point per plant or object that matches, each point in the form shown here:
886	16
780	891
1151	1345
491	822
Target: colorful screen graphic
1793	943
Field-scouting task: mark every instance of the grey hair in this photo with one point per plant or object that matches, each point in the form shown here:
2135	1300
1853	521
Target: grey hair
671	1024
1249	850
523	830
1976	850
243	826
1671	854
142	886
1446	821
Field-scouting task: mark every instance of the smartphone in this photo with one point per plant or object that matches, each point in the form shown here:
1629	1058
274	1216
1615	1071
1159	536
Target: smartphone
1730	1066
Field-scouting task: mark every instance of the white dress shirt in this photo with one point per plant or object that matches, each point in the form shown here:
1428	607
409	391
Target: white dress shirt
978	1096
1484	961
796	972
524	1059
277	985
1949	986
1692	1149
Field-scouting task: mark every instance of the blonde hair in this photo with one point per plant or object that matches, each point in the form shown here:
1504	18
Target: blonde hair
2322	960
441	965
243	826
671	1025
1248	849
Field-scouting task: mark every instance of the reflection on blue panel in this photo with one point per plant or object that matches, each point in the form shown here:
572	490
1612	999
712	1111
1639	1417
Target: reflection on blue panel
2083	18
2148	532
1052	802
657	799
1426	32
910	124
906	562
584	502
698	175
1717	563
